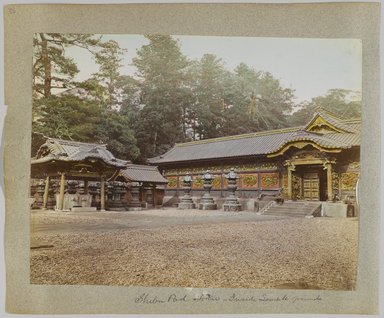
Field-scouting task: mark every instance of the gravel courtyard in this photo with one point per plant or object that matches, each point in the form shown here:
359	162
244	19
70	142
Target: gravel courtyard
193	248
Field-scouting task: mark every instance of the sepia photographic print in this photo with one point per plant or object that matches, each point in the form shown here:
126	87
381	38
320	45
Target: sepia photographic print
195	170
184	161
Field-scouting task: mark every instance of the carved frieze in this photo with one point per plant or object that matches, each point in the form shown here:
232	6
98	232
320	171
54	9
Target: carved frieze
249	181
172	182
284	182
349	180
335	181
198	182
354	166
218	168
216	182
296	187
269	180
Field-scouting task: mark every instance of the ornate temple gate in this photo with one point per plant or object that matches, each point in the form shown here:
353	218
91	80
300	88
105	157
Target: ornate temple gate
311	186
307	179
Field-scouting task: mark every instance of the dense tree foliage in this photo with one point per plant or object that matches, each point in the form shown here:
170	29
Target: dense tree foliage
343	103
90	112
170	99
51	67
164	95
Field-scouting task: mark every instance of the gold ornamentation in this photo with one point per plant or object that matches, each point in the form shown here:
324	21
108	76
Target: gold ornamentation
285	181
308	155
269	180
216	182
335	180
301	145
170	172
296	187
320	125
349	180
249	181
354	166
225	183
268	166
197	182
172	182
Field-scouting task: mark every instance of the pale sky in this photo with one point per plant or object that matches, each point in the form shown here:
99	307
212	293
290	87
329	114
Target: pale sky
309	66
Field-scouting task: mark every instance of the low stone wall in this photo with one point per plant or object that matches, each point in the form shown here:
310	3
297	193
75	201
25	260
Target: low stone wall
337	210
247	204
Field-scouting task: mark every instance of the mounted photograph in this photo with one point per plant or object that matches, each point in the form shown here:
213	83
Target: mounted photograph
195	161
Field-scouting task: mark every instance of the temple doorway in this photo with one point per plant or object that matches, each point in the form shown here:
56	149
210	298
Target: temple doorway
310	183
311	186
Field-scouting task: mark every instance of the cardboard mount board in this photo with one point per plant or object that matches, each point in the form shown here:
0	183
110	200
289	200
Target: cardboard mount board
325	20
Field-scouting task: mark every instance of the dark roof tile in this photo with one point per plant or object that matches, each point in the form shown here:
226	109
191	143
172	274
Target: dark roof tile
260	143
141	173
68	150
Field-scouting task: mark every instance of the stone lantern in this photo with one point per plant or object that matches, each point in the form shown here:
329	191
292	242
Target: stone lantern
186	199
231	202
38	195
115	198
207	202
135	204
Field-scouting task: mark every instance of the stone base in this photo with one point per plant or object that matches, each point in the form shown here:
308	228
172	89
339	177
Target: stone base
232	207
207	206
135	208
83	209
186	206
117	209
116	206
336	210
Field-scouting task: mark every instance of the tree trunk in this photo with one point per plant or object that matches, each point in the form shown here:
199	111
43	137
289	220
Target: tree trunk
154	143
47	66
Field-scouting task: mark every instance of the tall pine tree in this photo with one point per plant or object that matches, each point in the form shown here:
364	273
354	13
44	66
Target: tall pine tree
162	73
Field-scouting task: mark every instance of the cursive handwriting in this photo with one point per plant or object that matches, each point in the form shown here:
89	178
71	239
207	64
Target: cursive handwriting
148	299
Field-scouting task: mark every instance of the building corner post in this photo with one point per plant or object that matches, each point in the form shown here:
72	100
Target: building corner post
329	181
61	194
46	193
102	193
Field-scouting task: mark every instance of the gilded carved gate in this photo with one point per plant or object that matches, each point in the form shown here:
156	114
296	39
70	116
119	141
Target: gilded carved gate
311	186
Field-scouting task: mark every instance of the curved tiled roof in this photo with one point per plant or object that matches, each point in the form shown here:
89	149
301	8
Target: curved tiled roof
261	143
141	173
67	150
333	120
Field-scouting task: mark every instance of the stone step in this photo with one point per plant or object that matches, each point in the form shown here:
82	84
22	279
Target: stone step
300	204
83	209
284	213
293	209
288	212
290	216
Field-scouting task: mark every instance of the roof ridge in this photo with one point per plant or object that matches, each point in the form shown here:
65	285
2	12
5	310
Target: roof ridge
331	119
242	136
78	142
133	165
351	120
327	112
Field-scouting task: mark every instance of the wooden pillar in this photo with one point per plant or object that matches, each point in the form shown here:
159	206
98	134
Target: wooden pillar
102	193
329	182
85	186
46	193
61	194
154	196
289	190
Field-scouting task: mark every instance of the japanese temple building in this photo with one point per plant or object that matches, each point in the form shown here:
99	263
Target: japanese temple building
76	176
317	162
146	182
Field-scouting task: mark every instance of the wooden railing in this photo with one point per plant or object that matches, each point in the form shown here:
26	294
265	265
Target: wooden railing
266	207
